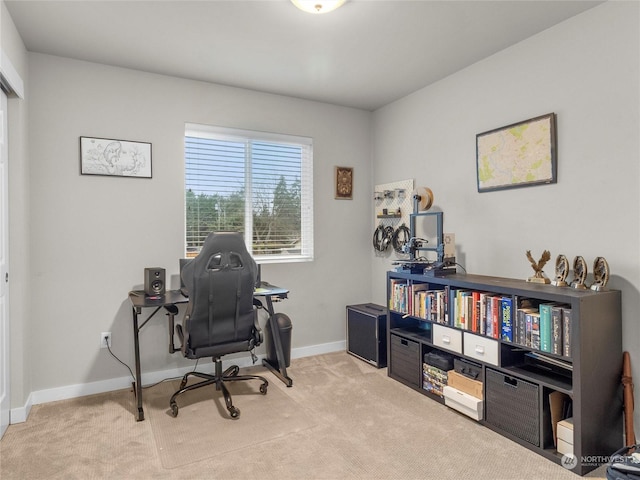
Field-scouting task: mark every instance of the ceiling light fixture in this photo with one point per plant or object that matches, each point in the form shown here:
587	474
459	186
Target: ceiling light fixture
317	6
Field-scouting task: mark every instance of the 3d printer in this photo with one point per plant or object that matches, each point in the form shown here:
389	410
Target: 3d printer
445	262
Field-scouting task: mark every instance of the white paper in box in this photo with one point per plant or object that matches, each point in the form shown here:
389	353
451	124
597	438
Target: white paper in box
565	430
463	402
565	448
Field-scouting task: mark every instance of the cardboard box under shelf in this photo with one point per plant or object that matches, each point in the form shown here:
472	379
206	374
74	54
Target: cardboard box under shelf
465	384
565	448
463	402
565	436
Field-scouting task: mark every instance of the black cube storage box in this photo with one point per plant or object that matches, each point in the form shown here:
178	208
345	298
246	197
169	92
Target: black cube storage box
367	333
405	363
512	405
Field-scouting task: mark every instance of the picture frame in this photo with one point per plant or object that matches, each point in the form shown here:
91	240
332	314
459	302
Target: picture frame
112	157
518	155
343	183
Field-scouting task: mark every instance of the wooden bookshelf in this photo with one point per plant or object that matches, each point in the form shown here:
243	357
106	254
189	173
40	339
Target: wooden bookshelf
522	383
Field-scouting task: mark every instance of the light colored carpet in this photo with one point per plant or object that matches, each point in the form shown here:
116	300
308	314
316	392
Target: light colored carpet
361	425
203	427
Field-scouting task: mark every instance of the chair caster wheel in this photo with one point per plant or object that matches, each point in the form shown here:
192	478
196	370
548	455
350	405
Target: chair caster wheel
174	409
263	388
234	412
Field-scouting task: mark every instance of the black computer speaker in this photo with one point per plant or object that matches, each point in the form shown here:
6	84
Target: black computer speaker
154	281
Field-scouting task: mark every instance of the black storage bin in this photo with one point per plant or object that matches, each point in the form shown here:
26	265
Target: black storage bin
284	326
367	333
404	363
467	368
441	360
513	405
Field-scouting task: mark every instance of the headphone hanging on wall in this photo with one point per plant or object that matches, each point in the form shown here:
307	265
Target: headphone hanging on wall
382	238
378	236
388	235
400	238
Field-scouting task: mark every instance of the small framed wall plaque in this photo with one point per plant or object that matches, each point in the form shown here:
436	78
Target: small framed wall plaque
518	155
120	158
344	183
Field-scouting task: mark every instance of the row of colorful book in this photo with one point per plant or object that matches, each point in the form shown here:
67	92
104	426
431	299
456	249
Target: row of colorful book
417	300
527	322
545	327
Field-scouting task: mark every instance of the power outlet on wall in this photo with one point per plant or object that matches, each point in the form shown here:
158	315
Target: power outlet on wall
105	340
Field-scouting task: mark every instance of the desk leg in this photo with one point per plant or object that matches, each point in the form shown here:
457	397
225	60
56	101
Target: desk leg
279	370
138	384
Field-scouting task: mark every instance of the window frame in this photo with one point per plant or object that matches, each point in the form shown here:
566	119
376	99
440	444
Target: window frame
306	185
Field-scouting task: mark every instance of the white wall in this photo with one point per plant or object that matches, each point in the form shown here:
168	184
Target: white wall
93	236
19	299
586	70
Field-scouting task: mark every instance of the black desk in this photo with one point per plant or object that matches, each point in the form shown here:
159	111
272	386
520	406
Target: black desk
140	301
271	292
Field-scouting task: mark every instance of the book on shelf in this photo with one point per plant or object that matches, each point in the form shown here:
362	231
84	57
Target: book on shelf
489	316
428	304
418	296
451	306
441	306
506	304
420	302
535	330
483	313
462	309
566	331
459	317
556	329
473	312
496	315
523	329
398	295
470	309
545	327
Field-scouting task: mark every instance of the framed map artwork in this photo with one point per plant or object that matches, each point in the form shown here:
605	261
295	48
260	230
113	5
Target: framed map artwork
518	155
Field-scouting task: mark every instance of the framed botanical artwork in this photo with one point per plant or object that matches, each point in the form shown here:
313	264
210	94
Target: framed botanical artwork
120	158
344	183
518	155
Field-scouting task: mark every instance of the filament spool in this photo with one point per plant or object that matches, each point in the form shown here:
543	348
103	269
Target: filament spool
424	196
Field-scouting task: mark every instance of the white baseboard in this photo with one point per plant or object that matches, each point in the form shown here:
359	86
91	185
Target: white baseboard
20	414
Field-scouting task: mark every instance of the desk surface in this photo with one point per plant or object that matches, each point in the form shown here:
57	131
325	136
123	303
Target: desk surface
267	290
140	299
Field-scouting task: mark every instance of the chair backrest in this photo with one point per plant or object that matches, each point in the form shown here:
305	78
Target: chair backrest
220	281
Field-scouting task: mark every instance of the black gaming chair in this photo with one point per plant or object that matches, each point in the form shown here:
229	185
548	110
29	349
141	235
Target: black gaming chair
220	318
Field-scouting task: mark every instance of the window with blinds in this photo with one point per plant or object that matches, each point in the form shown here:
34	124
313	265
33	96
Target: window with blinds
256	183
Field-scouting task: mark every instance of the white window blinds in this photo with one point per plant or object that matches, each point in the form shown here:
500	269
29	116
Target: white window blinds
256	183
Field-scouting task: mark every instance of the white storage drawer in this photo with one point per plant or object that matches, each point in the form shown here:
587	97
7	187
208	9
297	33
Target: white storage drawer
481	348
448	338
463	402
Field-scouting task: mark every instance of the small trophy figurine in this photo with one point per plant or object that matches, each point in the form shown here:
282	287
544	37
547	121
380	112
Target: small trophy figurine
539	276
562	270
580	273
600	274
